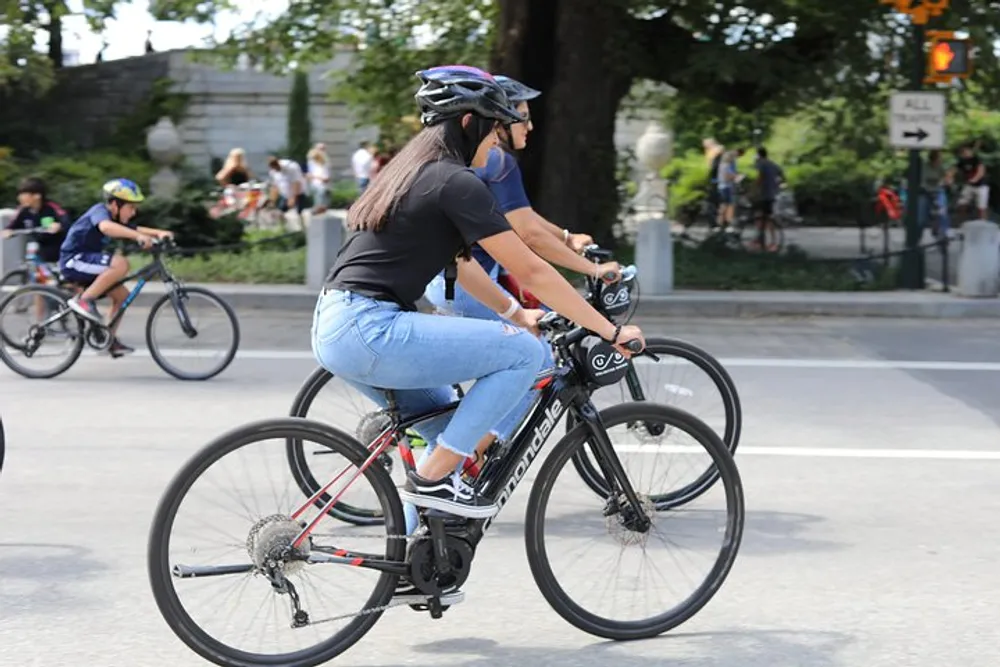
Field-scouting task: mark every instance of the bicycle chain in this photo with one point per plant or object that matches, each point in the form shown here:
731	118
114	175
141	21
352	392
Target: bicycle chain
385	607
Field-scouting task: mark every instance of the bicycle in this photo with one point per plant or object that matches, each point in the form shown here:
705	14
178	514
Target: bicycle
80	331
288	554
617	302
33	270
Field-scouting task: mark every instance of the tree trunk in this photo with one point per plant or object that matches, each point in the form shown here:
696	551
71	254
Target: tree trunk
54	28
569	164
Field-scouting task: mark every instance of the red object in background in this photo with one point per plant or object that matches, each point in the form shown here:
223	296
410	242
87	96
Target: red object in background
526	298
888	202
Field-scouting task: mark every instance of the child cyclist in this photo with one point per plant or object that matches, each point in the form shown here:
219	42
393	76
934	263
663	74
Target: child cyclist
84	259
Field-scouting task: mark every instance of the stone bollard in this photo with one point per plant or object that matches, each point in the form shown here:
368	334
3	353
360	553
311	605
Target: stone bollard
324	236
12	249
979	261
164	145
654	257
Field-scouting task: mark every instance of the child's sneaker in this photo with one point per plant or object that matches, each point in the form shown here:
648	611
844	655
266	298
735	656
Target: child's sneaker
85	308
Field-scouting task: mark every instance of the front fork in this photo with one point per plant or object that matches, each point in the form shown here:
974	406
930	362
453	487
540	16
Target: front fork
177	300
612	469
635	390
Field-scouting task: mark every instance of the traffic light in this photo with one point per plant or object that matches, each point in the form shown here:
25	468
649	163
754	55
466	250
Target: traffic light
948	57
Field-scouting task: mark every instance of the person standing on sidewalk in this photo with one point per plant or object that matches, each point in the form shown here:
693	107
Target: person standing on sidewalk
934	180
974	185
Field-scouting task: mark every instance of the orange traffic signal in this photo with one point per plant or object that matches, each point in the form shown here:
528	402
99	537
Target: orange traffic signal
948	57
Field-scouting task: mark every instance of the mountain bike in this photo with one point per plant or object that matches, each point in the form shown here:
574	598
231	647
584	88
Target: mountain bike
278	550
33	270
61	324
354	412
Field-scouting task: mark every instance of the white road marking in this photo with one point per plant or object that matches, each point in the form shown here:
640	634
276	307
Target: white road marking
823	452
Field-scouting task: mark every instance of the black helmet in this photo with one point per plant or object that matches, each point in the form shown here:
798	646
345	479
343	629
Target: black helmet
516	91
451	91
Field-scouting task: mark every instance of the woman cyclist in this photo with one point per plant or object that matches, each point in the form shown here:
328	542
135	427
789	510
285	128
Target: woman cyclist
421	215
503	177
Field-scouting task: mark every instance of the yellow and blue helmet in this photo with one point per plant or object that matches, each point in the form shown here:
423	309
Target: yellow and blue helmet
124	190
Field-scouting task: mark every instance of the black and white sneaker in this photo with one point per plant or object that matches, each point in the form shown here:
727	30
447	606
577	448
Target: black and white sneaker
410	594
450	494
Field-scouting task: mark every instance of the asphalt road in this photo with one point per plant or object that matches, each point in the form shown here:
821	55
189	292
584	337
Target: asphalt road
870	462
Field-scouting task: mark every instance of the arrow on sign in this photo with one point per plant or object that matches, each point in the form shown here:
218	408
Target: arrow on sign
919	135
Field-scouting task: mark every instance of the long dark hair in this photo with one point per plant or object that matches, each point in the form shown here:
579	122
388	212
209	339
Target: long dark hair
447	139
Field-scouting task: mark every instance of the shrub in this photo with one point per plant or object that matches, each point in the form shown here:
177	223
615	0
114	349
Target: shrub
73	181
187	217
299	126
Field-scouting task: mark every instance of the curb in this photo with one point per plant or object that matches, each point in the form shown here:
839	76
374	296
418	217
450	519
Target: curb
819	304
924	305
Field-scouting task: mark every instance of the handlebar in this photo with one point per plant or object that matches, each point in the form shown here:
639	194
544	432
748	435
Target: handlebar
596	253
565	333
23	232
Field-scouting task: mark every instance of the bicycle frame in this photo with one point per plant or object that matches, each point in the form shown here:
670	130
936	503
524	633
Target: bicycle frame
560	390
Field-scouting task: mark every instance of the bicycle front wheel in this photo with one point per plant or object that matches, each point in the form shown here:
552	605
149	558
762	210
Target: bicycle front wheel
192	315
233	542
556	530
685	377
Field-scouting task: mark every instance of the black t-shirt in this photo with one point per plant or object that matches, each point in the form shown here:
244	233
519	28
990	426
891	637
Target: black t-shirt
968	166
446	210
49	213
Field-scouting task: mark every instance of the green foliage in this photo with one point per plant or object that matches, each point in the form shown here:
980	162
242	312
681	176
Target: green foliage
257	266
723	268
299	125
187	217
343	194
73	181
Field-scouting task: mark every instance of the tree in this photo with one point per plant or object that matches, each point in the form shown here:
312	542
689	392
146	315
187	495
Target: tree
299	125
586	54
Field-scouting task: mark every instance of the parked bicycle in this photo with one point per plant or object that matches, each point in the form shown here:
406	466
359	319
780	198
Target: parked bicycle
684	376
287	553
60	324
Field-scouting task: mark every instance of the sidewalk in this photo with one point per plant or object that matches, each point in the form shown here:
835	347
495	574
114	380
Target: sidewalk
683	303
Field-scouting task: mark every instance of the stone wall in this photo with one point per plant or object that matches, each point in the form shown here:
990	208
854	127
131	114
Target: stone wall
90	100
249	109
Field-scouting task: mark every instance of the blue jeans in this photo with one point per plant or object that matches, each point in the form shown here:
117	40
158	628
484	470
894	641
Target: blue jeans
466	305
940	199
375	344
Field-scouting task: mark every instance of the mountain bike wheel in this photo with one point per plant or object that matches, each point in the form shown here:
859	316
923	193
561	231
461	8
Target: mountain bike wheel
614	524
22	339
193	326
348	409
12	280
269	522
675	355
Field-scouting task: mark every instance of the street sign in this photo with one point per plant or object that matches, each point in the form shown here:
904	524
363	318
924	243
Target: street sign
916	120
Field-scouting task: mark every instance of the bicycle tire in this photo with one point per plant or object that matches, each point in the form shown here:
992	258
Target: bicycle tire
78	340
3	444
299	464
158	566
673	347
154	350
15	278
541	570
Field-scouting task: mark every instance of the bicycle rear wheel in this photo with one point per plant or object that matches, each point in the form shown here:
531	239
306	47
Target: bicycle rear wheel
23	338
11	281
615	526
688	366
256	552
